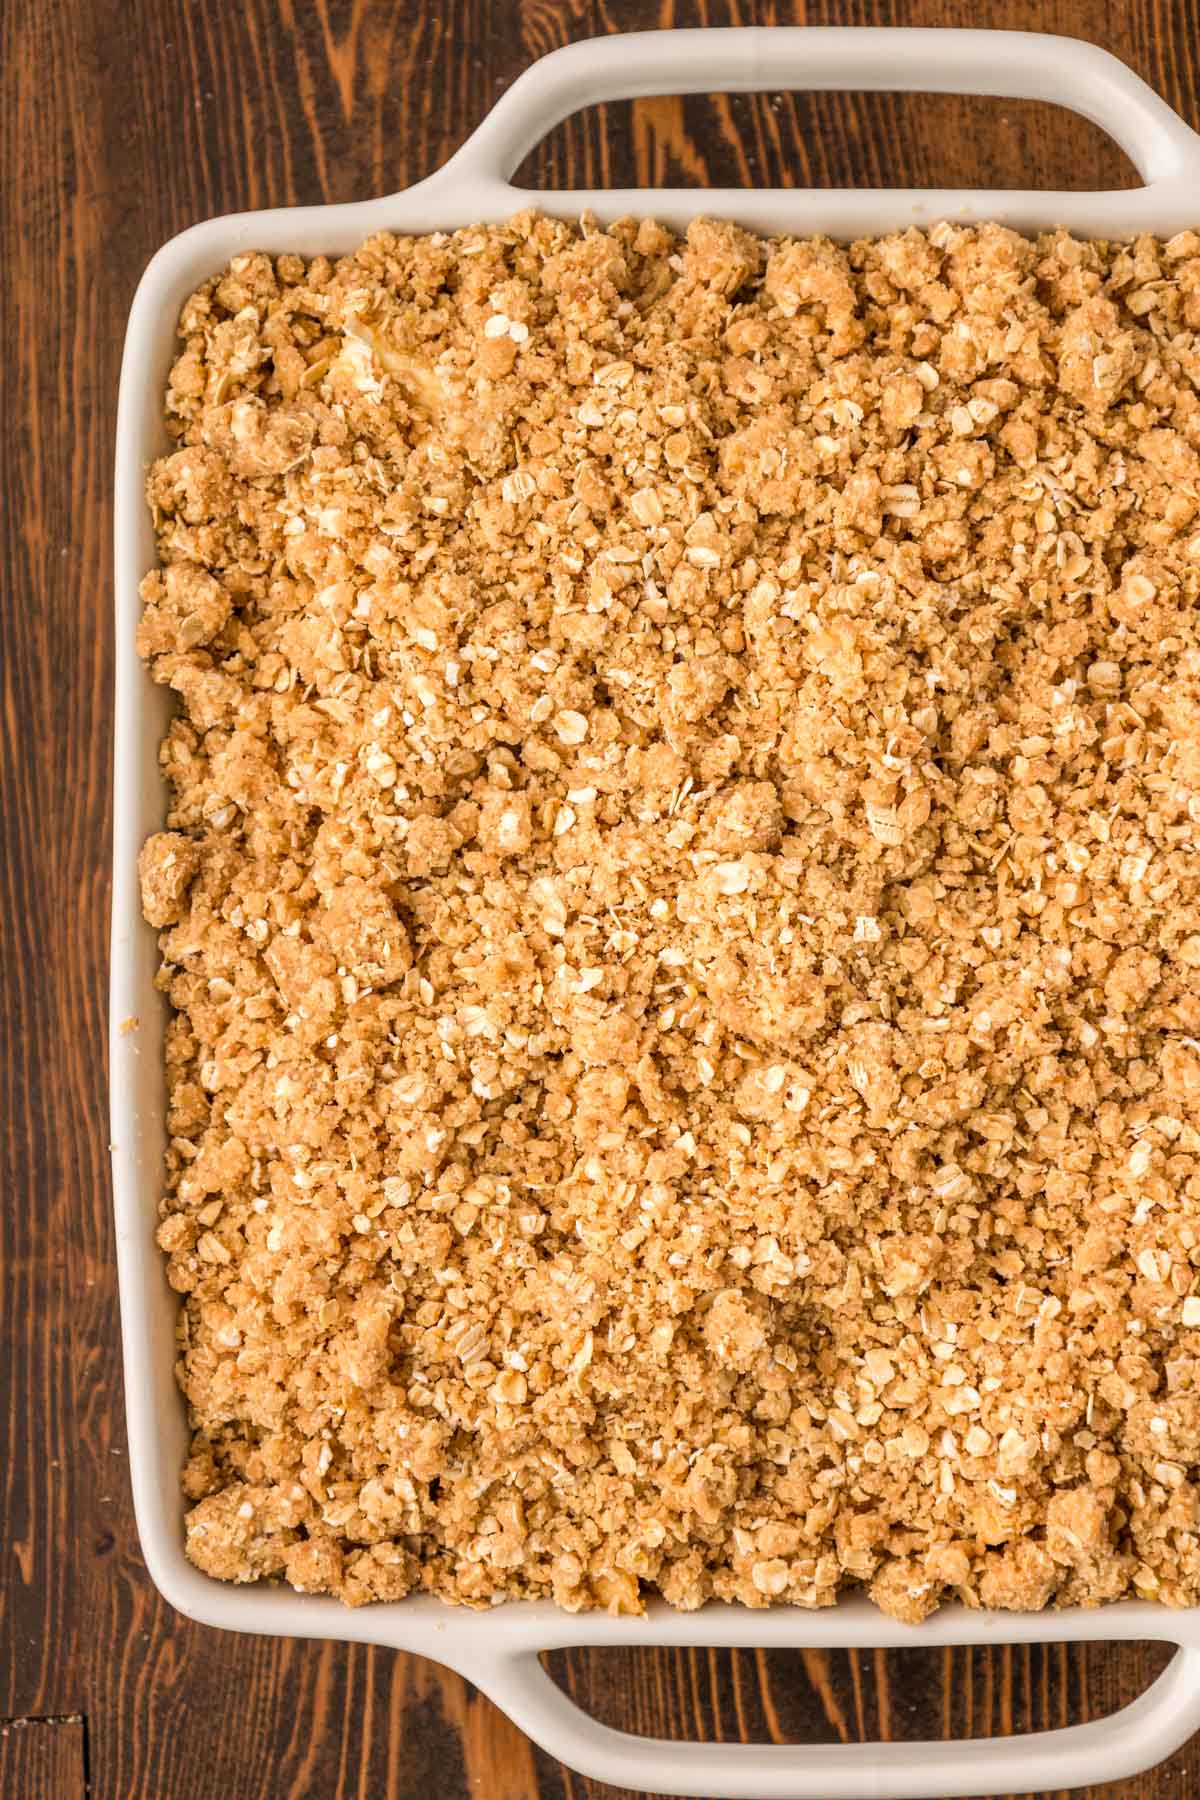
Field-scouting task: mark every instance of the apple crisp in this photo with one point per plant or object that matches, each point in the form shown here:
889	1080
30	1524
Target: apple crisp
680	907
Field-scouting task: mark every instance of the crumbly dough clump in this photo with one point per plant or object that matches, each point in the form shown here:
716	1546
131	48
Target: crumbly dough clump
681	909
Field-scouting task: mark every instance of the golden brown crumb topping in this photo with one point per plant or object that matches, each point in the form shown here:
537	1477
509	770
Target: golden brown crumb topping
681	907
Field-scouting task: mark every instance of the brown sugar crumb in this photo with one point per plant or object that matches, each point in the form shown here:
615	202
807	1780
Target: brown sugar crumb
681	905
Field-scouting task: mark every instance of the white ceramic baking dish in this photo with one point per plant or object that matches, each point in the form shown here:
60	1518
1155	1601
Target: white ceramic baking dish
498	1650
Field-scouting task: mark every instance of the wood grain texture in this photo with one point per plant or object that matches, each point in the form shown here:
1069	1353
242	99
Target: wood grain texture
43	1759
121	122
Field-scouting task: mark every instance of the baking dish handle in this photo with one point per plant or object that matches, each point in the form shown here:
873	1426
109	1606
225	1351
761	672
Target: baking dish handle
1111	1749
1016	65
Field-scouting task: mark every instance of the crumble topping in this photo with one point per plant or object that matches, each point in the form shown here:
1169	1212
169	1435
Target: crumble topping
681	910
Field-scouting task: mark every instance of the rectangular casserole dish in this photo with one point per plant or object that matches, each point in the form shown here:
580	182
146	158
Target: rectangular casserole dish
498	1650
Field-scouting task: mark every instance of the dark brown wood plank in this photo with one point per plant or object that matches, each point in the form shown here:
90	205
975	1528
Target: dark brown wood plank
123	121
37	1611
43	1759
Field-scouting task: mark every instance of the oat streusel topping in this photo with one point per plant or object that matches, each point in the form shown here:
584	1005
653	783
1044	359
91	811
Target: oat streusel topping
681	907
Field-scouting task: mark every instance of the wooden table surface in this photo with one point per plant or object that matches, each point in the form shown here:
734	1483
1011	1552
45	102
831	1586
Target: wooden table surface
123	121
